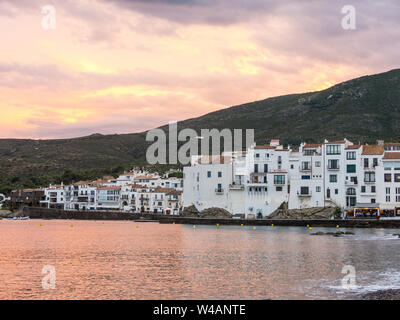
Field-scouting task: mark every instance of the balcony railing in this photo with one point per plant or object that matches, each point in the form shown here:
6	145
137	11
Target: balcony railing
236	186
334	167
300	194
219	191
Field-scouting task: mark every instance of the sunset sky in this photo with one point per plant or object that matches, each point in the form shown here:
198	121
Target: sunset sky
120	66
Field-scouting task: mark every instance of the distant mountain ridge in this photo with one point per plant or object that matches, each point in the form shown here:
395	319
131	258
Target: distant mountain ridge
363	110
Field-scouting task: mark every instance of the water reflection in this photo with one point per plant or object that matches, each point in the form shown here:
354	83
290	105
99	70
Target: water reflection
117	260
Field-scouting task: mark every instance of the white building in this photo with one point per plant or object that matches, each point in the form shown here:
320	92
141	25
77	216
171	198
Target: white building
333	173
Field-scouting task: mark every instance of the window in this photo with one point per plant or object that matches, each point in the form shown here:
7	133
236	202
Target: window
366	164
369	177
305	165
291	166
388	177
317	189
328	193
219	174
351	155
351	192
256	168
333	164
332	149
373	200
318	164
257	155
305	177
265	167
278	188
333	178
308	152
363	189
279	179
304	190
373	189
208	174
336	191
351	168
397	190
387	190
387	198
375	162
397	177
354	180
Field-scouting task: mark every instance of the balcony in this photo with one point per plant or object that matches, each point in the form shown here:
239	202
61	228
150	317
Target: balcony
300	194
219	191
351	183
279	182
334	168
236	186
305	169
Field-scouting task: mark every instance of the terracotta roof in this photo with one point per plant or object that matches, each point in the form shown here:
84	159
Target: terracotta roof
374	149
80	183
136	186
355	146
392	143
214	160
145	178
109	188
175	192
162	190
392	155
265	146
312	145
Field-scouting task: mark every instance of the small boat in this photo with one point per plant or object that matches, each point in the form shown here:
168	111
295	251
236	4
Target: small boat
18	218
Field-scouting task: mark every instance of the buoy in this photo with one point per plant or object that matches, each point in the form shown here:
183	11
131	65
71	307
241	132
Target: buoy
40	224
310	228
241	225
137	226
72	225
272	225
194	227
254	228
217	224
337	226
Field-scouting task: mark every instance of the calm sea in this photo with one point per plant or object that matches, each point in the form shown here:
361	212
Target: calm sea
128	260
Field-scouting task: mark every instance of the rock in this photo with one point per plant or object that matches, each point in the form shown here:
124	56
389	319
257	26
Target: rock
391	294
319	233
189	212
215	213
303	214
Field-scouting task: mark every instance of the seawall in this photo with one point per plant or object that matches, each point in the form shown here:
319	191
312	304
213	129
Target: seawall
44	213
360	223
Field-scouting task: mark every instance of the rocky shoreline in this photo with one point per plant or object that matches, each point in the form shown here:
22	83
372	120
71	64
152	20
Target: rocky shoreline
390	294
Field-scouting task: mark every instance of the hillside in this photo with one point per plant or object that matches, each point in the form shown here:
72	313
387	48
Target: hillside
363	109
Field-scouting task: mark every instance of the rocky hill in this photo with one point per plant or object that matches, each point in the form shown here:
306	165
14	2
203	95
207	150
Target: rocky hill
362	110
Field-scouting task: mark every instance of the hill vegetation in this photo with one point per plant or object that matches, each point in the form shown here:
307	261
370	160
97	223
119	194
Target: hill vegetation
362	110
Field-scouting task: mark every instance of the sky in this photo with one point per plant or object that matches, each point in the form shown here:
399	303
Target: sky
123	66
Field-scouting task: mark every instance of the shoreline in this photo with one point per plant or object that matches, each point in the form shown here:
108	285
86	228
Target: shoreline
45	213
